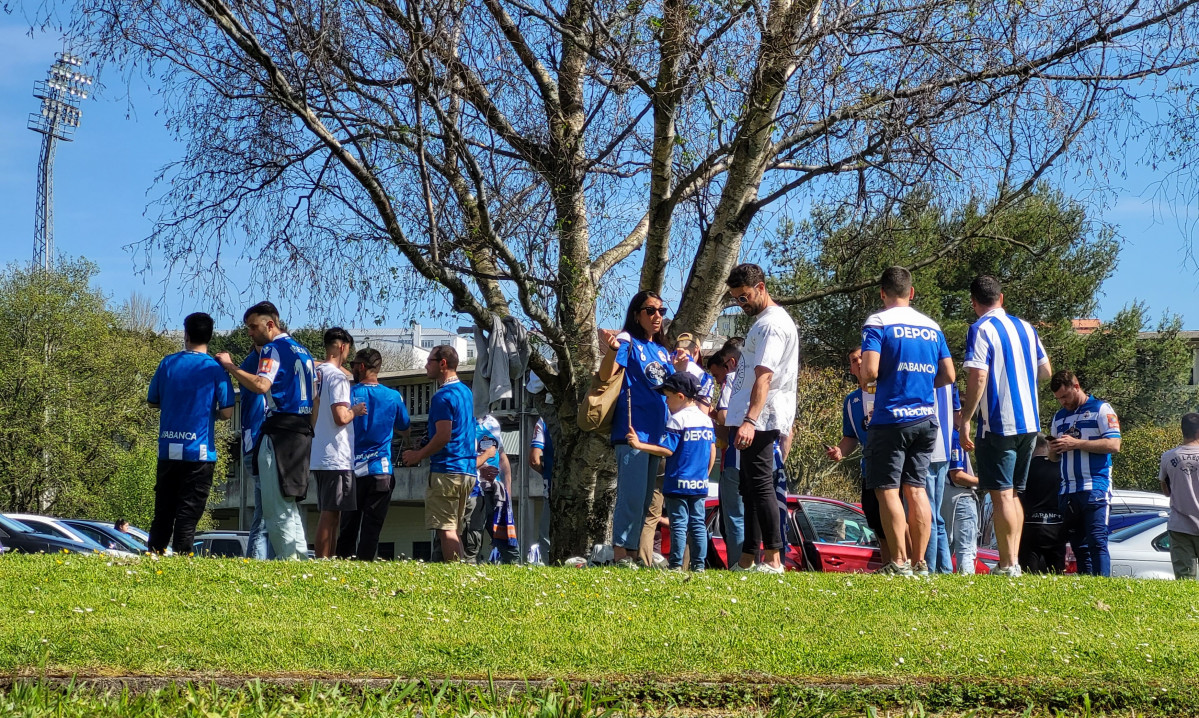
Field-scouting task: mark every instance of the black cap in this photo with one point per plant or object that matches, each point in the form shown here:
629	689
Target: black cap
684	382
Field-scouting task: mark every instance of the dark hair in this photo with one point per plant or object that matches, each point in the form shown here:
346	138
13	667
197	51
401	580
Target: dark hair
730	350
262	309
371	358
119	523
337	334
986	290
198	327
1040	442
1190	425
896	282
745	275
446	353
1061	379
632	326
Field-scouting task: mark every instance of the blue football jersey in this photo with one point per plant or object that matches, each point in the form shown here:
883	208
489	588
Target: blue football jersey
910	346
1083	470
453	402
188	388
289	367
646	365
689	434
253	406
386	414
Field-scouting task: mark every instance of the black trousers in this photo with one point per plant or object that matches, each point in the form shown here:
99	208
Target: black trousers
180	494
362	527
1043	548
757	493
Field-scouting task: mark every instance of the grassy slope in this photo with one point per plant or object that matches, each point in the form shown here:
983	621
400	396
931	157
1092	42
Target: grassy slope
407	619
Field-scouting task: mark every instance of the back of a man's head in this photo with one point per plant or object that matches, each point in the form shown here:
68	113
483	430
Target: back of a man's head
446	353
198	328
262	309
745	275
371	359
1190	426
337	334
896	282
986	290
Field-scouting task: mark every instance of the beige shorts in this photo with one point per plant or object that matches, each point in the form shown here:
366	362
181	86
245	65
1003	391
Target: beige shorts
445	500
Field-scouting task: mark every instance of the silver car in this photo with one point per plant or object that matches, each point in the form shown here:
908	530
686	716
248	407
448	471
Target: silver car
1141	550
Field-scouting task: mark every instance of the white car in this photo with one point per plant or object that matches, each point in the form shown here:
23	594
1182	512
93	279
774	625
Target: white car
1127	501
54	527
1141	550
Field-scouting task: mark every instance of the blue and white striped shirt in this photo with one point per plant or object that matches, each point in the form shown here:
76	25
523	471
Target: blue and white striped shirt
1083	470
947	401
1009	350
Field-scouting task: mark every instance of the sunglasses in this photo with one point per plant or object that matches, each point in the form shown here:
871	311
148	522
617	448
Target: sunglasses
651	311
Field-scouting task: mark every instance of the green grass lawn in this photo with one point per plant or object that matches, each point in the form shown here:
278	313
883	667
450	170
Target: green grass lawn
1035	637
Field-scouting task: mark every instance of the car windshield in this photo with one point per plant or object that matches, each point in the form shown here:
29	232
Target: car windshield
1130	531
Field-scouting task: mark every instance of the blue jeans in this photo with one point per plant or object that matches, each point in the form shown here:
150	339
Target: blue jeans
732	513
687	519
937	554
258	546
1084	516
636	472
963	512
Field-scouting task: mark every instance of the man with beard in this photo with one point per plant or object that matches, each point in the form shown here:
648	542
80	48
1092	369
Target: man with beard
761	410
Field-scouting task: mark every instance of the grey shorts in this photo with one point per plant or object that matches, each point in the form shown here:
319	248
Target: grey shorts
899	455
335	490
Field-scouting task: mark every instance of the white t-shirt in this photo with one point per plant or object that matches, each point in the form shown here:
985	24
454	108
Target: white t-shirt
332	445
772	343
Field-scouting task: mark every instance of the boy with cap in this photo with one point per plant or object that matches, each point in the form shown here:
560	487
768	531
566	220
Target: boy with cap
689	446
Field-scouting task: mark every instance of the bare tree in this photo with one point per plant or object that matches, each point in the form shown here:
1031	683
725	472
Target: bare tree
515	153
138	314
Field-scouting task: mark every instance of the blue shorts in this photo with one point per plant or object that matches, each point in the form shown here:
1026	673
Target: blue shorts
1003	461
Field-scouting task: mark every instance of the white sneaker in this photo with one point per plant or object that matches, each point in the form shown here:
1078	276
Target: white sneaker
897	569
920	568
767	568
627	562
739	567
1012	571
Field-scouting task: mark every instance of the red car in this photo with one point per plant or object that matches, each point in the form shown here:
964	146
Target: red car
822	535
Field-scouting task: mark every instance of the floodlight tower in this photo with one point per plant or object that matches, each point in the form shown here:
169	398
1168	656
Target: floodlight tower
62	90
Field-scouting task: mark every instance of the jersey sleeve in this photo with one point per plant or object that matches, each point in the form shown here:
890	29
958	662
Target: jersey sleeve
942	346
268	363
1163	474
671	439
224	388
957	398
771	349
872	335
439	410
250	363
538	435
1053	433
622	352
154	394
339	388
978	349
1042	357
1109	423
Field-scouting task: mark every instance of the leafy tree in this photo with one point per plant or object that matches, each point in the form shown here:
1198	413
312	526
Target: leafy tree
1049	255
1146	378
515	155
73	410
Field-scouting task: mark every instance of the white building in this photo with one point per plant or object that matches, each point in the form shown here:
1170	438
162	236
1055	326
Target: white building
411	345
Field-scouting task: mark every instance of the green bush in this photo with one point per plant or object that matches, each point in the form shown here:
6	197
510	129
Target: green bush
1141	449
818	425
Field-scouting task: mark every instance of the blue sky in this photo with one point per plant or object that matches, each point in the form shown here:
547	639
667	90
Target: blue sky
103	180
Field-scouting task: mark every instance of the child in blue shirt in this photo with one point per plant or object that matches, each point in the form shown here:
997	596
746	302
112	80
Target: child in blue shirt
689	446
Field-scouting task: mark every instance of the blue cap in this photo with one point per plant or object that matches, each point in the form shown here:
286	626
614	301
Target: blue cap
684	382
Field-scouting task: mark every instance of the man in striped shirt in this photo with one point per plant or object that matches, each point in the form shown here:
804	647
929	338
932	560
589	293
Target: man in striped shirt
1086	432
1004	361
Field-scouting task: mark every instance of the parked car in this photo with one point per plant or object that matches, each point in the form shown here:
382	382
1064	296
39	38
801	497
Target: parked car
822	535
1115	522
17	537
54	527
107	535
1142	550
1128	501
221	544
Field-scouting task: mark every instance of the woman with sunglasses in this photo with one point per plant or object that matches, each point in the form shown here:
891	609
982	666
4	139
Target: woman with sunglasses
638	348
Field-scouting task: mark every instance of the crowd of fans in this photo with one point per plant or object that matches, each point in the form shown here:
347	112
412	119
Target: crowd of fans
675	416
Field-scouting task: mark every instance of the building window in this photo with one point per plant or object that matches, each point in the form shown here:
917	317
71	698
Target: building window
426	343
445	342
470	353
